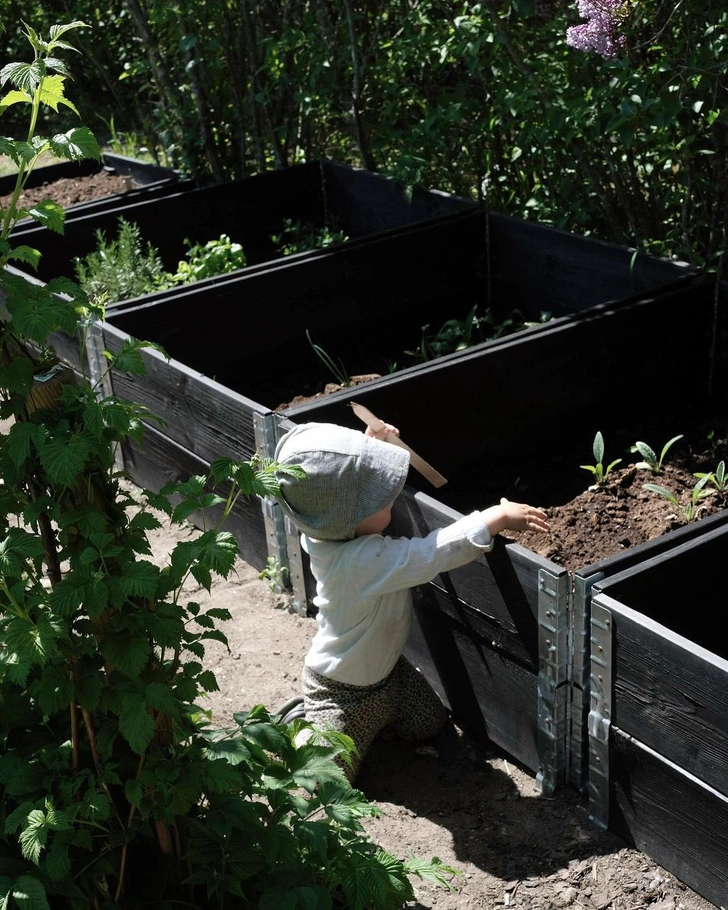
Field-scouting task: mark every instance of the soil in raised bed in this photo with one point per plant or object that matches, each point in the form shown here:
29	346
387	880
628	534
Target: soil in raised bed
67	191
589	524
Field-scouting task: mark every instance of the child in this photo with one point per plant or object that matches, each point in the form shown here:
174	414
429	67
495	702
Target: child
355	679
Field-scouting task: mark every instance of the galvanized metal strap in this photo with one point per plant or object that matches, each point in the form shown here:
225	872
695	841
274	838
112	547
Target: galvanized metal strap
554	673
281	535
600	714
580	670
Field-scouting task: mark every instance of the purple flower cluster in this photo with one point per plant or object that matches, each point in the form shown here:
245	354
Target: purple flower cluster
600	32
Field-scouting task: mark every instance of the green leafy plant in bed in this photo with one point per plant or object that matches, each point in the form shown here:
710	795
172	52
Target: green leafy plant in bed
126	266
301	236
116	790
460	334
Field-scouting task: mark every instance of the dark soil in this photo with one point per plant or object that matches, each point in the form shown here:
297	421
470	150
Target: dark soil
69	191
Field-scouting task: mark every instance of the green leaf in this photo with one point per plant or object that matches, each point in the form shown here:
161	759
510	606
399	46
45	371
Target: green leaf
26	254
127	653
15	97
57	861
55	691
29	894
140	579
208	682
598	447
160	697
136	724
128	358
68	594
76	144
64	459
33	838
17	377
50	214
22	435
16	549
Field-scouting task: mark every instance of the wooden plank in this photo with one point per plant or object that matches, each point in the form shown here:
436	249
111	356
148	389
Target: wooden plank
198	413
669	816
367	203
612	349
492	695
567	272
672	696
160	460
670	669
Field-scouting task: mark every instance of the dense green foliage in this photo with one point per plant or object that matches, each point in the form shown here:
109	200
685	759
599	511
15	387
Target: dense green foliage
115	791
483	99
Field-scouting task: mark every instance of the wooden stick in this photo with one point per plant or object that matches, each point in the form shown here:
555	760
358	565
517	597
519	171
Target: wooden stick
377	425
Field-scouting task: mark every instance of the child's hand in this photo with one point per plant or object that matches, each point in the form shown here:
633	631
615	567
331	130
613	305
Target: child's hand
515	516
382	432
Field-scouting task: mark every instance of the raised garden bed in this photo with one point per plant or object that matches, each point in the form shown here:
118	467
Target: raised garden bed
90	186
510	418
251	211
219	393
658	725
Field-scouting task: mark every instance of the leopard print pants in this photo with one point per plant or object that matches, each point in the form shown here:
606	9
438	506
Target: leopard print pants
404	702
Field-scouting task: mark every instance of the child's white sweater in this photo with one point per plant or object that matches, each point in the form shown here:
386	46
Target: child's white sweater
363	594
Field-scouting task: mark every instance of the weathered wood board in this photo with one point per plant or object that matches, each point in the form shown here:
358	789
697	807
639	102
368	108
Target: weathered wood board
658	724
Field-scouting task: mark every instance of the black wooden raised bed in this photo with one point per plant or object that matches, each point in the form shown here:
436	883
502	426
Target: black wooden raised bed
250	211
658	724
146	181
495	637
239	347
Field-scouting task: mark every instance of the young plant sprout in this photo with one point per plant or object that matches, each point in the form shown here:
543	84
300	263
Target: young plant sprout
598	470
651	462
717	478
690	510
338	371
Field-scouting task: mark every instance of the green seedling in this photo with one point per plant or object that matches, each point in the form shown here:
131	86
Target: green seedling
598	470
337	370
650	460
717	478
690	510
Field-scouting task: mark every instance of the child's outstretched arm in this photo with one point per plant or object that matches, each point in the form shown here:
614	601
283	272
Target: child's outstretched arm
515	516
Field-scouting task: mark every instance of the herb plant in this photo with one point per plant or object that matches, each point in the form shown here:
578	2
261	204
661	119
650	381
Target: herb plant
301	236
121	268
689	511
126	267
115	790
598	470
216	257
651	462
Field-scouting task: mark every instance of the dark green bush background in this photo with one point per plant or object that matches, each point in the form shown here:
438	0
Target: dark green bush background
485	100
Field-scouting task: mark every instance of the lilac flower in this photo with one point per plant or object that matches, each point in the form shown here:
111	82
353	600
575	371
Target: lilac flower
600	32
